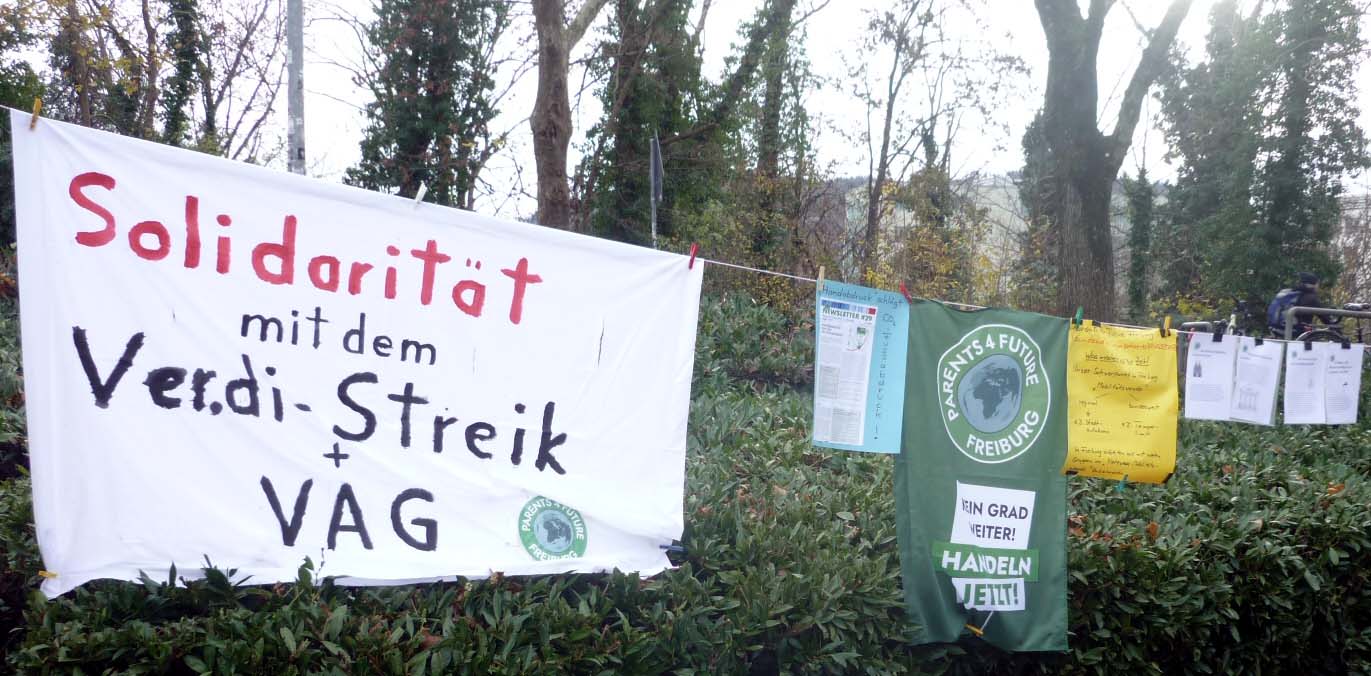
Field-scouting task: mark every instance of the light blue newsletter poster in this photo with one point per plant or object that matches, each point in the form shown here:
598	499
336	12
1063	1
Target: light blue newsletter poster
861	340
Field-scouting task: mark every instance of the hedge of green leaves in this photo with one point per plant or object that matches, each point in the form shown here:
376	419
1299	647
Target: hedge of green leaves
1254	559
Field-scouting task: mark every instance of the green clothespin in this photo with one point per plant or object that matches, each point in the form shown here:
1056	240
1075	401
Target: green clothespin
1122	481
1080	316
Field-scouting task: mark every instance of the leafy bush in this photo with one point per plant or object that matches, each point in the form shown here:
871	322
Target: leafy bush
1254	558
740	339
19	563
13	459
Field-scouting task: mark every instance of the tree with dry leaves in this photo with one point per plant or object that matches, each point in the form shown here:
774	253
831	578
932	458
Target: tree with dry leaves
197	73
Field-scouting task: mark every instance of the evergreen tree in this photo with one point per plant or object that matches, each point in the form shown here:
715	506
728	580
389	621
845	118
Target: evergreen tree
19	86
1034	272
183	43
429	123
1265	128
653	87
1142	197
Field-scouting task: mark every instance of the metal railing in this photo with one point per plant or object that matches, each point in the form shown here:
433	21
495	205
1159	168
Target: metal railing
1300	310
1207	327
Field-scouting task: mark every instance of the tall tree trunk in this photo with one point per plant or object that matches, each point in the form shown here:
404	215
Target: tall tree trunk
1141	200
777	15
1086	248
875	190
1286	221
766	234
769	132
147	116
905	33
1084	161
551	118
78	53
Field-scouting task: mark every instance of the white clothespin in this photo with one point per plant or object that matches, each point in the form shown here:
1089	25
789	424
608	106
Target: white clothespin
419	196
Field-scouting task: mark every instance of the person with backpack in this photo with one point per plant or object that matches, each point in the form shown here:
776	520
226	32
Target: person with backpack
1304	294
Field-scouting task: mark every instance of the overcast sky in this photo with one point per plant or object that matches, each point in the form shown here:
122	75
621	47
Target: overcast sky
334	119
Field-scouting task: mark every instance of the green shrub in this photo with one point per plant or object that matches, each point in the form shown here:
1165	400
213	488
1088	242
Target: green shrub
1254	558
741	340
19	563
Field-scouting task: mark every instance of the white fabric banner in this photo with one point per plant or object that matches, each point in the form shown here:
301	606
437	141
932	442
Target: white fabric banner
238	364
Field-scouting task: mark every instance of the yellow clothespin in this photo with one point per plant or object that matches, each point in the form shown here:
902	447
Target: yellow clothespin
1166	326
37	108
980	631
47	574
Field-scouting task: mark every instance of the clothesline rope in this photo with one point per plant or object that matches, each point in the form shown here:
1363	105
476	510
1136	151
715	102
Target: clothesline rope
811	280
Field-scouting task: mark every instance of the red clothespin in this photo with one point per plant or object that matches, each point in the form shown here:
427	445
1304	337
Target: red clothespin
905	290
694	249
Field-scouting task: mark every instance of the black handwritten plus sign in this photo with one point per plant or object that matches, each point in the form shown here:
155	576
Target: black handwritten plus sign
337	456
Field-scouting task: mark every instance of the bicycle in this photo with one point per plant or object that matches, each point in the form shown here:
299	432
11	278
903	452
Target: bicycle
1357	313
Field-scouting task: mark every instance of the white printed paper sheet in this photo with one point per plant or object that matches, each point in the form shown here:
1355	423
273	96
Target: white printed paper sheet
847	339
1209	377
1306	364
1256	378
1342	384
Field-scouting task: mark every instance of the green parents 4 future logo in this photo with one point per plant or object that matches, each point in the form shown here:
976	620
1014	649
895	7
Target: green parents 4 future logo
994	393
551	530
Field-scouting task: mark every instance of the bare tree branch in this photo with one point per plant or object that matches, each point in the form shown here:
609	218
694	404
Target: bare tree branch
577	28
1153	59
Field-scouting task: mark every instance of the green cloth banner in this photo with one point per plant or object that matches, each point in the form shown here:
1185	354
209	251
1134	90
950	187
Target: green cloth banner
980	497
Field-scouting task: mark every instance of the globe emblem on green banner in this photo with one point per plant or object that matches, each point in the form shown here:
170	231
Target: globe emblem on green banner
994	393
552	530
991	393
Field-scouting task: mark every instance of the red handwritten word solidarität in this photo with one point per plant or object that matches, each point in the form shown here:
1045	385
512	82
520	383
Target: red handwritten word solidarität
325	272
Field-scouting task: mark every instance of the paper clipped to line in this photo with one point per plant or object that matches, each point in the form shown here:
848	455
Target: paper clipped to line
1121	403
1342	383
1304	388
1209	377
1256	378
860	348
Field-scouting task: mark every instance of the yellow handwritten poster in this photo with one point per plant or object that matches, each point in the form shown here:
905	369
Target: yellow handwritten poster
1121	403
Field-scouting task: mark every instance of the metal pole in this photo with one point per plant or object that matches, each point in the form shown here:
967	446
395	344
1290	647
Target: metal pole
1333	312
1207	327
295	53
654	182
